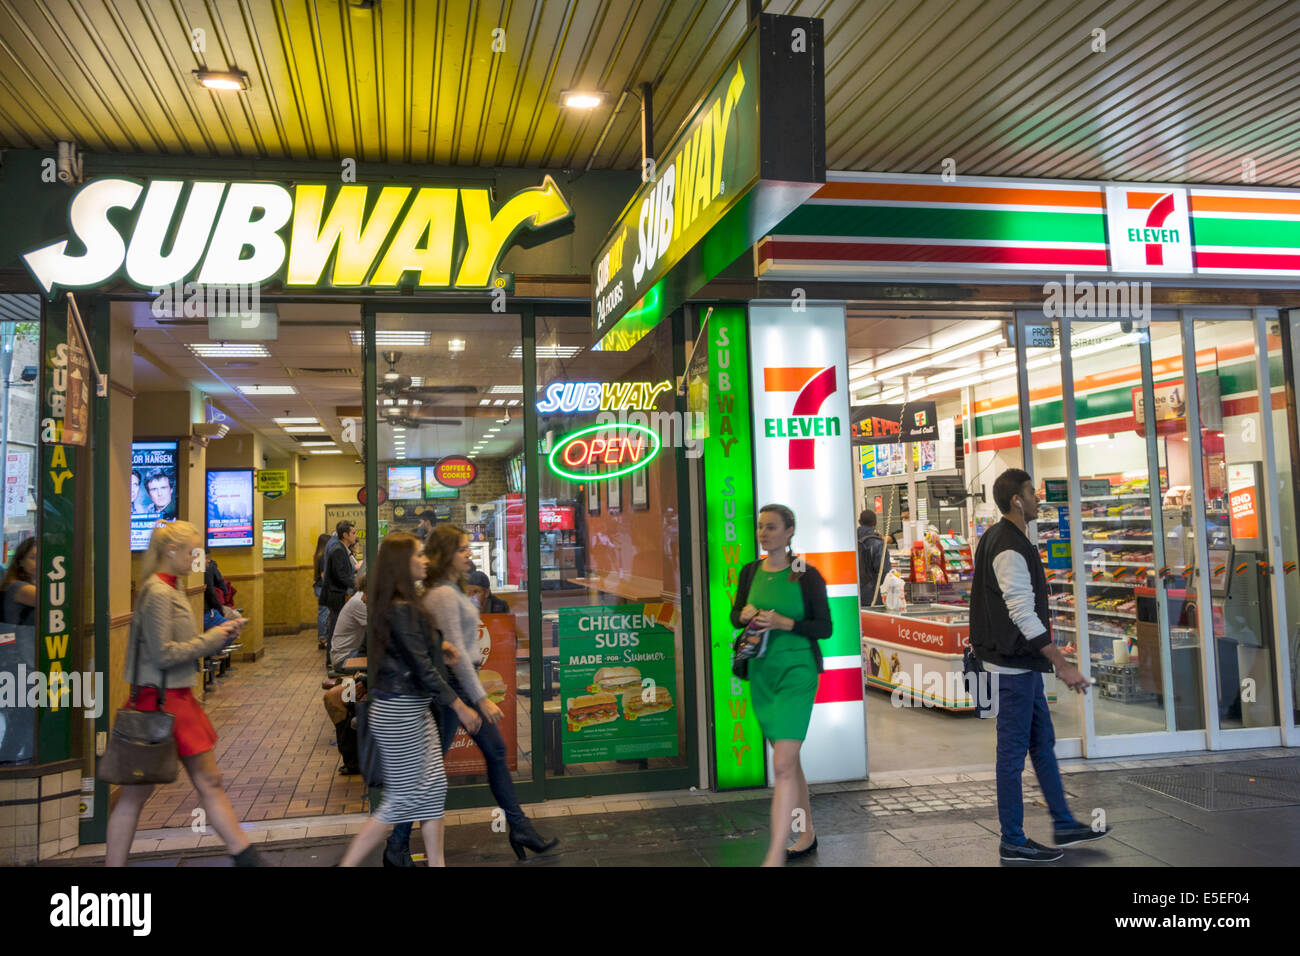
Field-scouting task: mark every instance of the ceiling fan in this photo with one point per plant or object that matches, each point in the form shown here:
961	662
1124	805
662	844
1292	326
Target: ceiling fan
397	385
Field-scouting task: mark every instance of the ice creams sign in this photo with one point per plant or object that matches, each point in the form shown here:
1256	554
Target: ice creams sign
248	233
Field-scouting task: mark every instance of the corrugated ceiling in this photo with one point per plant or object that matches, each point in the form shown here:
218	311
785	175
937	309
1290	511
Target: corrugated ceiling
1186	90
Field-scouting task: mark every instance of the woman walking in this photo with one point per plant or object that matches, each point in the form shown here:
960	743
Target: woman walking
785	612
322	612
161	651
406	677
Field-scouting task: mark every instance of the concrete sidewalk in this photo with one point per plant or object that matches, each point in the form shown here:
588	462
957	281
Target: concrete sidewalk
950	820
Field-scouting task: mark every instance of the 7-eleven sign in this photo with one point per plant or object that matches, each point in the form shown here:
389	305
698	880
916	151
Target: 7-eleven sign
1149	229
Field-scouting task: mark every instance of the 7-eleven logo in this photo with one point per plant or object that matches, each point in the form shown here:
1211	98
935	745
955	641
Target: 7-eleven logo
1148	229
813	386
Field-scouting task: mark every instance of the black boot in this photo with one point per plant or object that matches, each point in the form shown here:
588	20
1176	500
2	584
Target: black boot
398	861
249	856
524	835
346	737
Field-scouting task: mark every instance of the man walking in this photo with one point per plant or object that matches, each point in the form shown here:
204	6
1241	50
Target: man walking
338	578
1010	635
871	556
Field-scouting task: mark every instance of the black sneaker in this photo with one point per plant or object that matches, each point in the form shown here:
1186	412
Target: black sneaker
1079	833
1031	852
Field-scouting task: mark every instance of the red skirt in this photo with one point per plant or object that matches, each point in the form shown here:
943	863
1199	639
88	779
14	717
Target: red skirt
192	729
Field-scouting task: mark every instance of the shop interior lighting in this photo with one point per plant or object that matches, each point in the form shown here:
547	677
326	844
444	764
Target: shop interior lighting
228	349
897	361
296	421
455	345
407	337
485	401
223	80
268	389
1085	440
327	451
940	357
506	390
305	429
513	402
316	444
581	99
548	351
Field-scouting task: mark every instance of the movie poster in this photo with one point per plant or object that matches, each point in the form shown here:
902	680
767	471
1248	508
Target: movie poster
153	488
230	508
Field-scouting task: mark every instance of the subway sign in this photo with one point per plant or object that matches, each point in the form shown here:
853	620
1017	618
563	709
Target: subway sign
163	232
724	180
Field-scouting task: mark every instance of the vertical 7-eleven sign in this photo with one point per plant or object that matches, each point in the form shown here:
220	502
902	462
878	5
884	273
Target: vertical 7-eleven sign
803	459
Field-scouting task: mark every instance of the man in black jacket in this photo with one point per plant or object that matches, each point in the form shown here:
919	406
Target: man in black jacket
871	555
1010	633
338	579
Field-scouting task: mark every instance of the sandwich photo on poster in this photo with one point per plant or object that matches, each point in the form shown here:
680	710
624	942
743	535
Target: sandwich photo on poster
496	663
153	488
230	508
618	672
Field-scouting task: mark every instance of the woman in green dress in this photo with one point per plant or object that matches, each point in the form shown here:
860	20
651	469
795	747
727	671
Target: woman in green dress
782	604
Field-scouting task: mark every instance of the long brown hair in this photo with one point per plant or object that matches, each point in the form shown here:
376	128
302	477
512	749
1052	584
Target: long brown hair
390	583
787	518
16	571
319	558
440	548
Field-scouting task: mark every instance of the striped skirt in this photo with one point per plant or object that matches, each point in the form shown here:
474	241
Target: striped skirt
415	785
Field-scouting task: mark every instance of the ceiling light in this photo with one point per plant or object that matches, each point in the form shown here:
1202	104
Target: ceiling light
485	401
225	80
941	357
305	429
268	389
513	402
315	444
327	451
581	99
506	390
296	421
393	337
455	345
548	351
226	350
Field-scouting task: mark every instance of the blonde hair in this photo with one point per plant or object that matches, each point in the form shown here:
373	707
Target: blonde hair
173	534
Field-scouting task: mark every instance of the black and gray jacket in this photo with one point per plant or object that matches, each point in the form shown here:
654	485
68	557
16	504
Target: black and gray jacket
1009	618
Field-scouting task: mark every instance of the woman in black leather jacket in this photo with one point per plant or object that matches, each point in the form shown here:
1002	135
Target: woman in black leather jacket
406	678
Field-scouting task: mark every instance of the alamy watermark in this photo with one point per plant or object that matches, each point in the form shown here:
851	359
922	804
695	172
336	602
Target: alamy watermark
58	690
1085	299
196	300
922	688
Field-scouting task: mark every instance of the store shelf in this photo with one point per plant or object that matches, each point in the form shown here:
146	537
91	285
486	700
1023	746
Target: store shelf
1092	632
1117	542
1112	584
1095	518
1115	498
1092	611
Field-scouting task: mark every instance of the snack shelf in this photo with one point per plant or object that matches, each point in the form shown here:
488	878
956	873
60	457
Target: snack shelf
1125	615
1118	542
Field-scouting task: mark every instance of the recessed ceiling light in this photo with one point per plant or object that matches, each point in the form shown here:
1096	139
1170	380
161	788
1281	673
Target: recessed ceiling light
455	345
506	390
393	337
296	421
227	350
485	401
513	402
327	451
319	444
548	351
268	389
225	80
582	99
305	429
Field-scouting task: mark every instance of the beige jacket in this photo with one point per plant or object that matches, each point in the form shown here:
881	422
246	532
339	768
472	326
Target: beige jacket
163	627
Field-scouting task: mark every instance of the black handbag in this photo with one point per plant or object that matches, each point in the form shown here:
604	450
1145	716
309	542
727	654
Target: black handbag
142	745
742	652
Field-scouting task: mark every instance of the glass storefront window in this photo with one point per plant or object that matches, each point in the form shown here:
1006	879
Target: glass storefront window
19	415
610	561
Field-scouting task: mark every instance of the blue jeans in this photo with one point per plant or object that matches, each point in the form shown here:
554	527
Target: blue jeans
322	615
1025	726
488	739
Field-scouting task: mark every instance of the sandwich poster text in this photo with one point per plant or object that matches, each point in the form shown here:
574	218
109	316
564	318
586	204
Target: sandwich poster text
496	662
618	677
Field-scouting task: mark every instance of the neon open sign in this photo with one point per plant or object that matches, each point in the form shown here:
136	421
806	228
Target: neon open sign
625	448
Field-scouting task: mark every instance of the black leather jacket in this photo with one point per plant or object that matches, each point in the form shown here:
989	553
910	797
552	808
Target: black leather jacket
413	662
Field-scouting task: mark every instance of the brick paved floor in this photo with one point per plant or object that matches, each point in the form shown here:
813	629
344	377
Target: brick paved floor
275	745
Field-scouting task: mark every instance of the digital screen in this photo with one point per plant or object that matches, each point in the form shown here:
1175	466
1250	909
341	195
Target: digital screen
230	508
273	538
153	488
433	488
405	481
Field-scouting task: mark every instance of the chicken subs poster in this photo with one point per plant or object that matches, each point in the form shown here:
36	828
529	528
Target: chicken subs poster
618	677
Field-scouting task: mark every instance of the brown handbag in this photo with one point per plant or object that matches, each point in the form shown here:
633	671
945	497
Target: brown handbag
141	746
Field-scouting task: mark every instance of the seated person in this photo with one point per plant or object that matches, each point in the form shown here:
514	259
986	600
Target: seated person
479	588
350	630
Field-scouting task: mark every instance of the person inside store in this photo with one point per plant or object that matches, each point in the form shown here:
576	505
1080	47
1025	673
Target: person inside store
1010	635
873	559
350	629
479	588
349	641
322	609
338	576
407	678
162	500
896	533
425	527
217	596
456	616
784	611
19	585
160	655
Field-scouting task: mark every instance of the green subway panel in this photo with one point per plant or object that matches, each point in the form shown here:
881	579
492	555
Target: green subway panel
905	223
729	510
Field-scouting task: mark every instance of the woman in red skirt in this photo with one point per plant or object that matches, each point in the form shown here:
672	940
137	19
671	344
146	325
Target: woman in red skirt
164	636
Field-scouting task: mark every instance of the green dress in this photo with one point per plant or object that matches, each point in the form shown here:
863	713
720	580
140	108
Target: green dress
783	682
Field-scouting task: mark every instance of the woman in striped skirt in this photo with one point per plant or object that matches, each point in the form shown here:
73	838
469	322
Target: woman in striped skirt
407	677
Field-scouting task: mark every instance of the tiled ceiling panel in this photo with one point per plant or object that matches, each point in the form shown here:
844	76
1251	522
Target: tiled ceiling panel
1196	90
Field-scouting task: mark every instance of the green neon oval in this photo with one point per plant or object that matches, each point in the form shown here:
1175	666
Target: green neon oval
576	476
